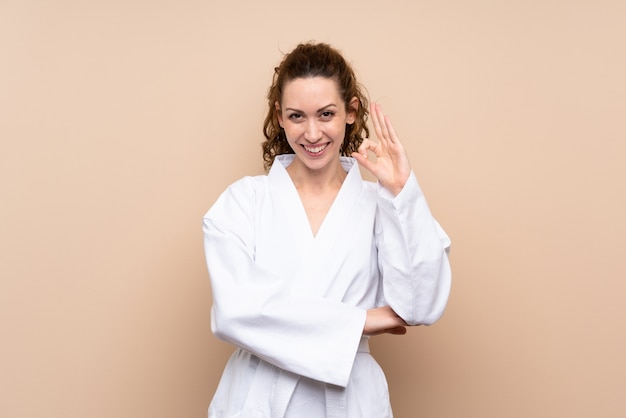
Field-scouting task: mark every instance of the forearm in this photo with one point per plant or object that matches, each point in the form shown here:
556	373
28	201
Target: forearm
413	256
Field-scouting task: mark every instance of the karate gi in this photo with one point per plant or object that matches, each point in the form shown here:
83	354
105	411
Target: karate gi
294	304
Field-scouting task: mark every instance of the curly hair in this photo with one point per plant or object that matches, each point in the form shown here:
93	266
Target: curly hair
314	60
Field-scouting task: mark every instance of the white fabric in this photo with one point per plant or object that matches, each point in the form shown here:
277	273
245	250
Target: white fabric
295	304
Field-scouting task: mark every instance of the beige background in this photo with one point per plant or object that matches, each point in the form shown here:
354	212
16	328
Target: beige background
121	122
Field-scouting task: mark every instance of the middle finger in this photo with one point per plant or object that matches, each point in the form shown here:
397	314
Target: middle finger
380	126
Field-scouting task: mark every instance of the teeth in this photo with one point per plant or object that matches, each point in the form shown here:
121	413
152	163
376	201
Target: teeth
316	149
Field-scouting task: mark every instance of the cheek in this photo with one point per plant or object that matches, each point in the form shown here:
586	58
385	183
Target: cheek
292	133
337	131
292	130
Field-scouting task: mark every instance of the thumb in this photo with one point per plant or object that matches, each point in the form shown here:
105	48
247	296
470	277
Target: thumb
363	161
401	330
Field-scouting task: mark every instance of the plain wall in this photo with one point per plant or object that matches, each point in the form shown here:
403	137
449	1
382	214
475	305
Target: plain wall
122	121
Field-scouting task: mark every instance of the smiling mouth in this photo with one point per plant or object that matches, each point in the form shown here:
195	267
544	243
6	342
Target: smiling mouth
315	150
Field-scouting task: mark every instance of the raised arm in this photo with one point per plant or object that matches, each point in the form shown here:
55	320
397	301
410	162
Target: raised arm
413	248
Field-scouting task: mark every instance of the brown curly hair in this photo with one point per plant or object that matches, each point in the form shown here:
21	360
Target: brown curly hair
313	60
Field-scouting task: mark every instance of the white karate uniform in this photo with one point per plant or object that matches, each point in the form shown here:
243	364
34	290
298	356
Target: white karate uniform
294	304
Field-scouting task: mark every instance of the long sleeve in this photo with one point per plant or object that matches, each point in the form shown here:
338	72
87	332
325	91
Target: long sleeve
254	308
413	255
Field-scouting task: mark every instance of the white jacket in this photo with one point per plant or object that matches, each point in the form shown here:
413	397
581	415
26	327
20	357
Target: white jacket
295	304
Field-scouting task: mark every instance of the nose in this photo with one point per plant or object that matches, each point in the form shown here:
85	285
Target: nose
312	133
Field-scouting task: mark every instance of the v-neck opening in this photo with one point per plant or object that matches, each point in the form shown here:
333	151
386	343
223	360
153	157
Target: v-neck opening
300	220
328	213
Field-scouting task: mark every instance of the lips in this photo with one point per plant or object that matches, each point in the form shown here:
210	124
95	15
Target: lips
315	150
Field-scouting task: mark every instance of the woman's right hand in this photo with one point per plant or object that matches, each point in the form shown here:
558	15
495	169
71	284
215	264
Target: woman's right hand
383	320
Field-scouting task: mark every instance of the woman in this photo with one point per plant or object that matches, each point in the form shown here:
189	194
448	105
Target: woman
310	260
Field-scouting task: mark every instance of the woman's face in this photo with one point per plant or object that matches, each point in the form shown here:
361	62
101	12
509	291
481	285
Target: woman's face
314	118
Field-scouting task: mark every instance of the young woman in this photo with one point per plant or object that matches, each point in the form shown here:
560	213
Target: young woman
310	260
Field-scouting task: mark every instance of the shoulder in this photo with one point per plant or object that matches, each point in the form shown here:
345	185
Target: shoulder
246	188
247	184
239	195
370	186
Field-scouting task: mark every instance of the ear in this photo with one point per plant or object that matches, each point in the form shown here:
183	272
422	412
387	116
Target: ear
279	114
353	107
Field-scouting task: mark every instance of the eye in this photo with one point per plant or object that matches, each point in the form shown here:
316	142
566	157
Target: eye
295	116
327	114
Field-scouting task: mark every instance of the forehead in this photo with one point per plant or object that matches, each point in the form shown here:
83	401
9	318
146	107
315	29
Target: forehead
312	92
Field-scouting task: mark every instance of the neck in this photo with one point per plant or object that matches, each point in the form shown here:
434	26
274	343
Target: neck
331	176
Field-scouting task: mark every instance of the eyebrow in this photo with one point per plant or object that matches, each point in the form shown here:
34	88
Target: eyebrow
291	109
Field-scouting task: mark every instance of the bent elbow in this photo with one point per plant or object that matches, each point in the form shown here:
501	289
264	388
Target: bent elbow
223	326
217	328
427	303
428	318
421	317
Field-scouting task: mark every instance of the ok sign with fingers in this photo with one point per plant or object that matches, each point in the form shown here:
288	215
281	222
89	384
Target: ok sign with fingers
392	167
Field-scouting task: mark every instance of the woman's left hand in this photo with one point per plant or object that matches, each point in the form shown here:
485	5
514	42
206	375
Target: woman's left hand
392	167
